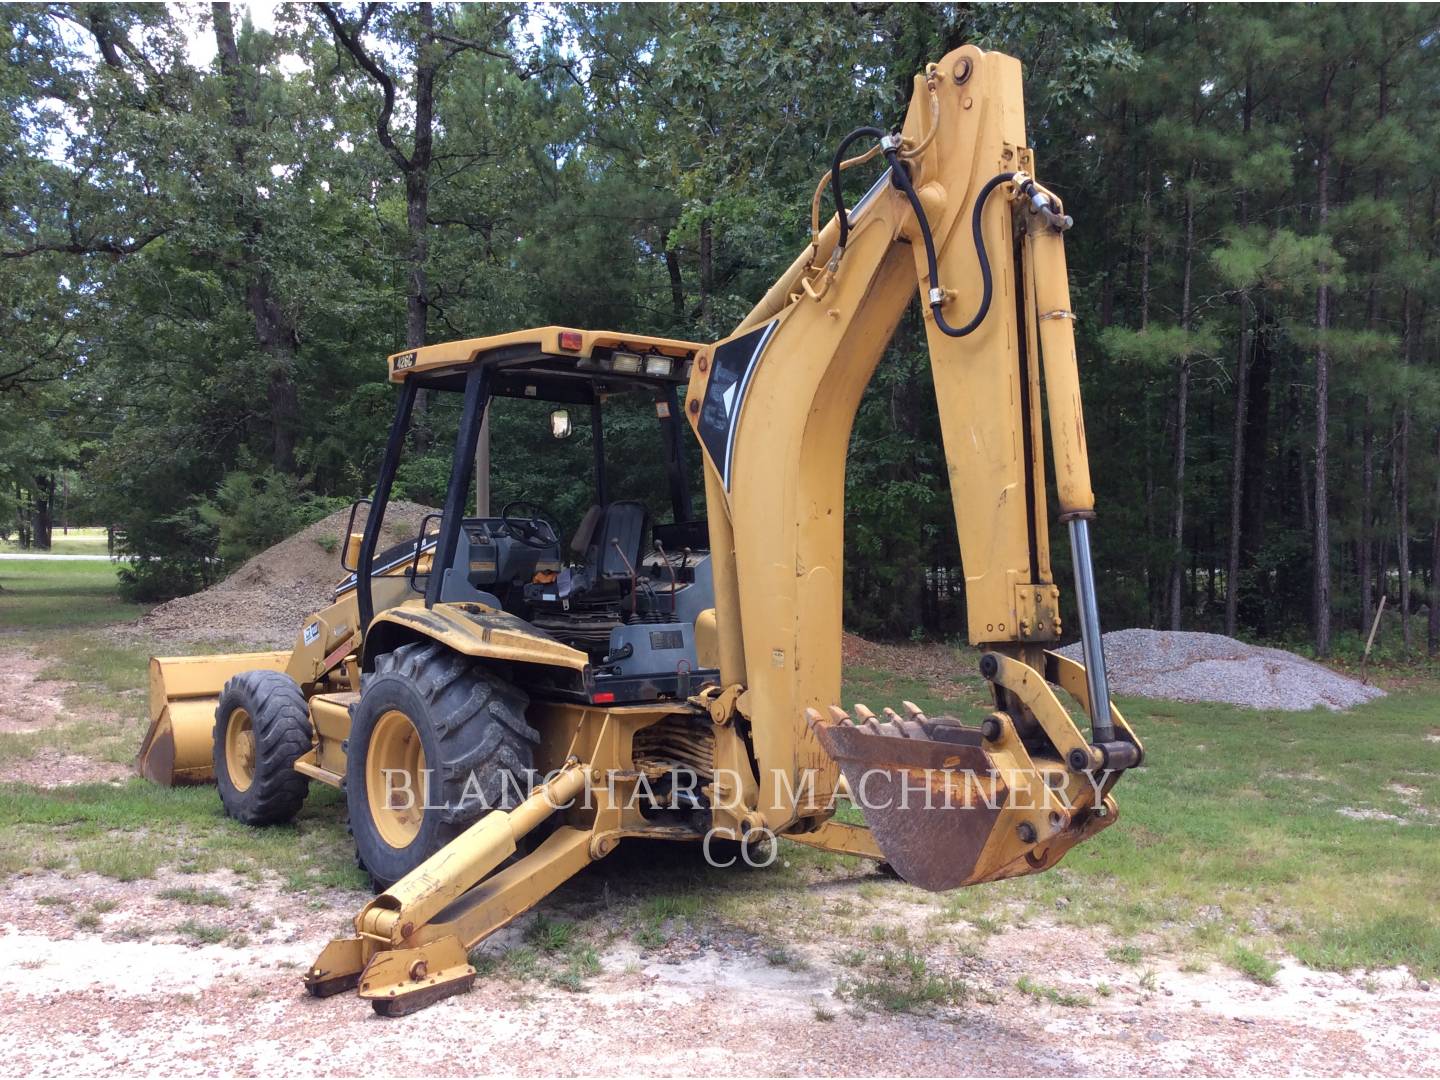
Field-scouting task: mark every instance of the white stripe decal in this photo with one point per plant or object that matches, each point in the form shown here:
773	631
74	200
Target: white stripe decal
744	385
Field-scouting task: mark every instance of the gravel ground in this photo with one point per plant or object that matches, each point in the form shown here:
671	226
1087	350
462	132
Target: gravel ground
134	996
1186	666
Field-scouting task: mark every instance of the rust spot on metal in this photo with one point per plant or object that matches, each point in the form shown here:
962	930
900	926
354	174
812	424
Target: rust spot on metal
927	791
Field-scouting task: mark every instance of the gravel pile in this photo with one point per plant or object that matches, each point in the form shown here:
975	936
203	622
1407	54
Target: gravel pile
263	603
1184	666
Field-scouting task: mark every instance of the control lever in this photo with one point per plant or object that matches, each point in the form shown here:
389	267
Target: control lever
624	652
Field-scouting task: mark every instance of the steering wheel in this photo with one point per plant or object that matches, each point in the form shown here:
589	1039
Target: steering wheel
532	528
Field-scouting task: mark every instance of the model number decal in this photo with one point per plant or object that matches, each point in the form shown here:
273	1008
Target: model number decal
312	633
405	361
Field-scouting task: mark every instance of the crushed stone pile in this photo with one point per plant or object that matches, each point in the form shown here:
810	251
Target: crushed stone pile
1186	666
263	603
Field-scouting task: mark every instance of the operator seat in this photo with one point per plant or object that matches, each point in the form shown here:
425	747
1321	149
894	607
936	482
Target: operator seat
580	542
613	554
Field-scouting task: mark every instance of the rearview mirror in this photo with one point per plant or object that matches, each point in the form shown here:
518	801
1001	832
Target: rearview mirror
560	425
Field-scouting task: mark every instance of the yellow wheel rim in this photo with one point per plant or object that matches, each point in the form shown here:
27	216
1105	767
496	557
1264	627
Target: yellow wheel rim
240	749
395	780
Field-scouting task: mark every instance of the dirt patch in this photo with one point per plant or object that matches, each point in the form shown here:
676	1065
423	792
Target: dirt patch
948	672
35	706
28	702
1187	666
105	977
264	602
52	768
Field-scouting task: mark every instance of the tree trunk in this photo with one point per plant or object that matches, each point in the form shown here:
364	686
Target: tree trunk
1433	625
273	332
1182	402
1366	544
672	268
42	512
1402	477
1257	445
1242	403
707	266
417	208
1237	474
1321	589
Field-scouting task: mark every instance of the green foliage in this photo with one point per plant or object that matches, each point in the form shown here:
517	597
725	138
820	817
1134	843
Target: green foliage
205	263
249	512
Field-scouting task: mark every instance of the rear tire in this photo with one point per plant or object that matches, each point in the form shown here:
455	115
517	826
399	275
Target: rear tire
262	724
436	742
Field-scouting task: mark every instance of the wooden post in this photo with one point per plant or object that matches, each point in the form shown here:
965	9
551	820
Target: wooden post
1365	659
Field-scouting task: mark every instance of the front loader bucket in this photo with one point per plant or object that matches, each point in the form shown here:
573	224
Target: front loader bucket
184	691
949	808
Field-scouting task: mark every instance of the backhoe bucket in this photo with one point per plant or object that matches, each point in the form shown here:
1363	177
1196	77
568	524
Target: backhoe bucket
947	812
184	692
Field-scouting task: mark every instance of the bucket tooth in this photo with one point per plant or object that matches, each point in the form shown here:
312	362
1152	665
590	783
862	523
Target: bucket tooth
838	715
813	719
891	715
914	711
864	712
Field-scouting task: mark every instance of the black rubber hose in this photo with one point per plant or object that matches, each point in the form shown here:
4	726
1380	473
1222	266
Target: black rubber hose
901	180
858	133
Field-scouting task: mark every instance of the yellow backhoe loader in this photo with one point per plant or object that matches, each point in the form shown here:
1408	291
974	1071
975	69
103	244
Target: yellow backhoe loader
503	705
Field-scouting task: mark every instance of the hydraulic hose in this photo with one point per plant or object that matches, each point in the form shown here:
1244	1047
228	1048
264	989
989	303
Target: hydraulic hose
858	133
901	179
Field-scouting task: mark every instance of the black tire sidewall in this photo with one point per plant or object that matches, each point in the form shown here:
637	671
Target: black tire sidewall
276	790
386	864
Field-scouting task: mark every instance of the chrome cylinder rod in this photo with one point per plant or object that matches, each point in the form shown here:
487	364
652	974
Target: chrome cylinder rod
1101	728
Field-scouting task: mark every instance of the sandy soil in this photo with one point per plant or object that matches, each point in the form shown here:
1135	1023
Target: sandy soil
31	705
86	1001
27	702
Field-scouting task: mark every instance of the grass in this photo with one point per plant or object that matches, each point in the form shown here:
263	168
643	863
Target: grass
40	597
552	953
660	916
898	980
1230	846
128	831
1040	992
196	897
204	933
1254	965
1129	955
87	541
1234	825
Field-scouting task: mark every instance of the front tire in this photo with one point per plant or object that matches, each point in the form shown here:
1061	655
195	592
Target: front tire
436	742
262	724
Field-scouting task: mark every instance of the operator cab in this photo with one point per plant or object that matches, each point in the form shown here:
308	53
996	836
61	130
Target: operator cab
626	586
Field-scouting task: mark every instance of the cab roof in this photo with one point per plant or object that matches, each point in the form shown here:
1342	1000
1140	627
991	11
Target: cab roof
551	363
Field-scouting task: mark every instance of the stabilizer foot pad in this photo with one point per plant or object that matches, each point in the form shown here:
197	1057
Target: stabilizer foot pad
337	968
409	1001
400	981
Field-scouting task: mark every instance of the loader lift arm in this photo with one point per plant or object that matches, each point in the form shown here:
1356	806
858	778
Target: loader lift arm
957	214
